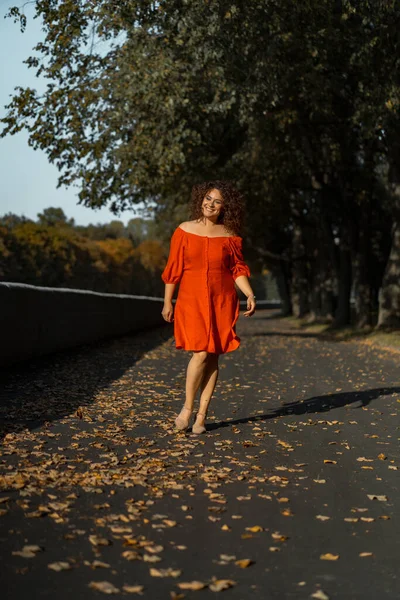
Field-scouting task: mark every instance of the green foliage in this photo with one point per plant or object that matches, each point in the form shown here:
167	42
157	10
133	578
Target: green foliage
298	102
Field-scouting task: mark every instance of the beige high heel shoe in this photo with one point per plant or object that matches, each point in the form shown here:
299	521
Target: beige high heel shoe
180	423
198	429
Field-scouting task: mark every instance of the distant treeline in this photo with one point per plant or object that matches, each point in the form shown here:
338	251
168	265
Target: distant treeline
54	251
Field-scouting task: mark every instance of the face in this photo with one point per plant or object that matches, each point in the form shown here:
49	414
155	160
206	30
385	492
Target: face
212	204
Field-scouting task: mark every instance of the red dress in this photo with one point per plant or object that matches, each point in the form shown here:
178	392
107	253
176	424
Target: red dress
207	307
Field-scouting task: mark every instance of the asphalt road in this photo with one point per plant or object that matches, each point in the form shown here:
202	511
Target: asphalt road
292	492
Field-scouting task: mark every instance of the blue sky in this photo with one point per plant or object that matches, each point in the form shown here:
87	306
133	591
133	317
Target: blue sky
28	180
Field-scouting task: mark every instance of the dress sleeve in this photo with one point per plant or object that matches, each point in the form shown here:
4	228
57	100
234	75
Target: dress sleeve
238	266
174	268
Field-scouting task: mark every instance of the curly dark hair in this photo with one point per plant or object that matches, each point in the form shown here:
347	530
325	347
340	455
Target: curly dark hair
232	214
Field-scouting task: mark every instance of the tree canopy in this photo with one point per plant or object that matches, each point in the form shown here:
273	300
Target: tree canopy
296	102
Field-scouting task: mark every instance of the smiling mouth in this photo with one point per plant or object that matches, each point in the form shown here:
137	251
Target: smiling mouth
209	209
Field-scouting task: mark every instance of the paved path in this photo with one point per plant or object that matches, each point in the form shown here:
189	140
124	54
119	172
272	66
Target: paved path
292	493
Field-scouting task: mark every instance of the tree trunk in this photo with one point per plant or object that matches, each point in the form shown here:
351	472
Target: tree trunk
364	296
300	300
343	313
282	278
389	296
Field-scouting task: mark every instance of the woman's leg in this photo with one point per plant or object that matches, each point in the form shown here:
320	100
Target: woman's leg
194	376
207	386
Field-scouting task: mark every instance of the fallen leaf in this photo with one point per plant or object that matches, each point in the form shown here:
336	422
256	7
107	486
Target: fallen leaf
28	551
191	585
152	558
279	537
59	566
133	589
98	564
380	498
364	554
104	586
243	563
131	555
219	585
329	556
382	456
165	572
255	528
330	462
322	517
320	595
96	540
227	557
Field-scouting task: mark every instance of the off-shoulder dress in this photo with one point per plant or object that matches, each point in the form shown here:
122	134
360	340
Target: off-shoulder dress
207	306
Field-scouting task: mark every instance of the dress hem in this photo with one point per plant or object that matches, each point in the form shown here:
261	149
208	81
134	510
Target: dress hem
179	347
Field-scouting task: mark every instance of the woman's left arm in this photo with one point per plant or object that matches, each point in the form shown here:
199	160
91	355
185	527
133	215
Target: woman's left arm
244	286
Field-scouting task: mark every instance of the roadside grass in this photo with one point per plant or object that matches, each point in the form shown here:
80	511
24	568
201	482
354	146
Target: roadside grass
389	339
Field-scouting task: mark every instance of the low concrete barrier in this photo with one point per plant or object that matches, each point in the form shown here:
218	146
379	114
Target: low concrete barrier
39	320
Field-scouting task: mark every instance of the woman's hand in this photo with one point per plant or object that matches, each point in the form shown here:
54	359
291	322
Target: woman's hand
168	312
251	306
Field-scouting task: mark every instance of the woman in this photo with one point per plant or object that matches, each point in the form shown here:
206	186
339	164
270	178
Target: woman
206	260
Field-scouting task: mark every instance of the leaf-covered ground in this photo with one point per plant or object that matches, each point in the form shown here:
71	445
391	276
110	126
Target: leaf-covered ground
291	493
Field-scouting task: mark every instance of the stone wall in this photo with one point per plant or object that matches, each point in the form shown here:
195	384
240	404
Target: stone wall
39	320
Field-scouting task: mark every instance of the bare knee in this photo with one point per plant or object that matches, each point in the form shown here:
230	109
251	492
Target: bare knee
201	357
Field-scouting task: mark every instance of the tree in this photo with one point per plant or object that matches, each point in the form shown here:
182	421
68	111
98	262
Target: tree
297	102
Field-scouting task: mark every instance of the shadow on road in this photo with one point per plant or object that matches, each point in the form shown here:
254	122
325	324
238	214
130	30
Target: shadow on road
49	388
317	404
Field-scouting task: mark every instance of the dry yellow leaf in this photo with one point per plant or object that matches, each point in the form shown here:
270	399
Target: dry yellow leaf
322	517
154	549
255	528
169	522
104	586
98	564
165	572
219	585
151	558
192	585
278	537
131	555
381	498
330	462
96	540
382	456
364	554
59	566
133	589
28	551
243	563
320	595
329	556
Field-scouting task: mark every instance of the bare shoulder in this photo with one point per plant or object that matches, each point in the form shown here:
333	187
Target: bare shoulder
188	226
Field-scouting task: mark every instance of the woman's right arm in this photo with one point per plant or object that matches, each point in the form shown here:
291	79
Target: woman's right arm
172	273
168	309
